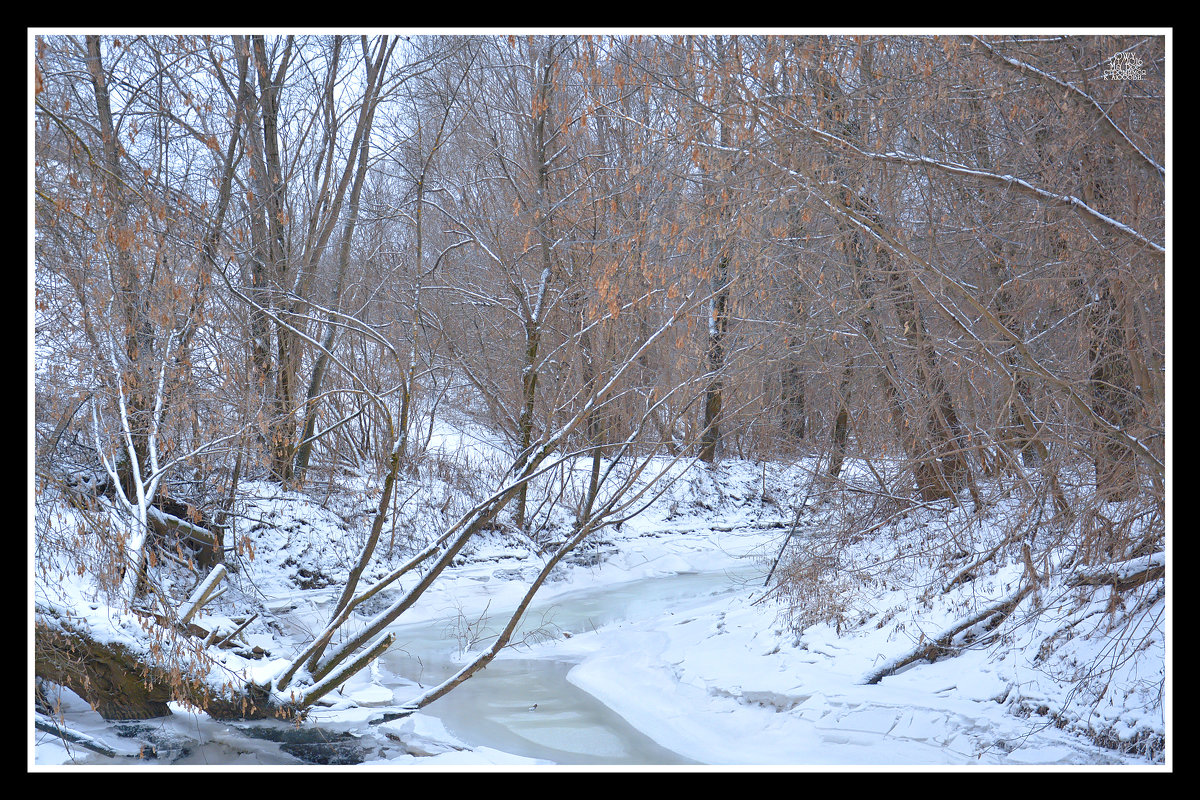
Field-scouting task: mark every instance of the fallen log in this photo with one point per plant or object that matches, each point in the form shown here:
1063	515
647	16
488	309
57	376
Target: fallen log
168	527
47	724
202	594
121	683
1125	575
952	640
105	674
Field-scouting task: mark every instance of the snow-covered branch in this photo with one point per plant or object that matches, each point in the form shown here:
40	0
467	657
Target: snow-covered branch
1029	69
1018	184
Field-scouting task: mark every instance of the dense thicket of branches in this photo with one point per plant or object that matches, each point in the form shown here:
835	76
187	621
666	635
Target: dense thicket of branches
272	257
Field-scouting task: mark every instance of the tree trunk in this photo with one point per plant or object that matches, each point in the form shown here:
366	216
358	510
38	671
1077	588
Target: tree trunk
529	382
792	380
718	311
122	684
262	377
1115	393
282	425
841	427
362	138
718	322
131	304
1114	399
543	225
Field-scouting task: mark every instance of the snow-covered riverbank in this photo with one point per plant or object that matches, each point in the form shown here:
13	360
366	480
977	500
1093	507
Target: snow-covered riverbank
717	675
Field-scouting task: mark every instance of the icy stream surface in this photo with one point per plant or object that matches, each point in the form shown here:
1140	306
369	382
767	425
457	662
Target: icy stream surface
517	710
528	706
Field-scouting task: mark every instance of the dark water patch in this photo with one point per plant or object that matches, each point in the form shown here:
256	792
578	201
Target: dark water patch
312	745
156	743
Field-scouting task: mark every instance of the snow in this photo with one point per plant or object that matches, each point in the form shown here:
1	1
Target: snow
720	676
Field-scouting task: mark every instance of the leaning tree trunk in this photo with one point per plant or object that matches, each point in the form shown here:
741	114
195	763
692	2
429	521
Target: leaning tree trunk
120	683
931	432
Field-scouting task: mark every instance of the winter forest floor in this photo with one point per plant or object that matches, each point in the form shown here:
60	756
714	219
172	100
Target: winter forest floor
928	639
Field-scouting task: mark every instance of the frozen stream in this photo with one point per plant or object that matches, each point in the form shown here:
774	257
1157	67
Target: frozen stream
522	704
528	706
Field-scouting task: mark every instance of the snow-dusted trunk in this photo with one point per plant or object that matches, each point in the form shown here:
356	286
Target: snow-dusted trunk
841	426
529	382
274	374
259	257
718	323
533	325
406	393
722	177
145	476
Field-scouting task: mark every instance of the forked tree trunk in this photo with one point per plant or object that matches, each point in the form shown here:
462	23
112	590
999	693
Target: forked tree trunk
359	157
131	306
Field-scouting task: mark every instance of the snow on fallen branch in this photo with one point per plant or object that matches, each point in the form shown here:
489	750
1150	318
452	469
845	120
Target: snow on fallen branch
1123	575
49	725
202	594
954	638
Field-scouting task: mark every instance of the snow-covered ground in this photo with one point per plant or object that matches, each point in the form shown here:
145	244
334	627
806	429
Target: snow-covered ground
730	674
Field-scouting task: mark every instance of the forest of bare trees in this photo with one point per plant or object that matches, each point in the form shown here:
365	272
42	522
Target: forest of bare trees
274	258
